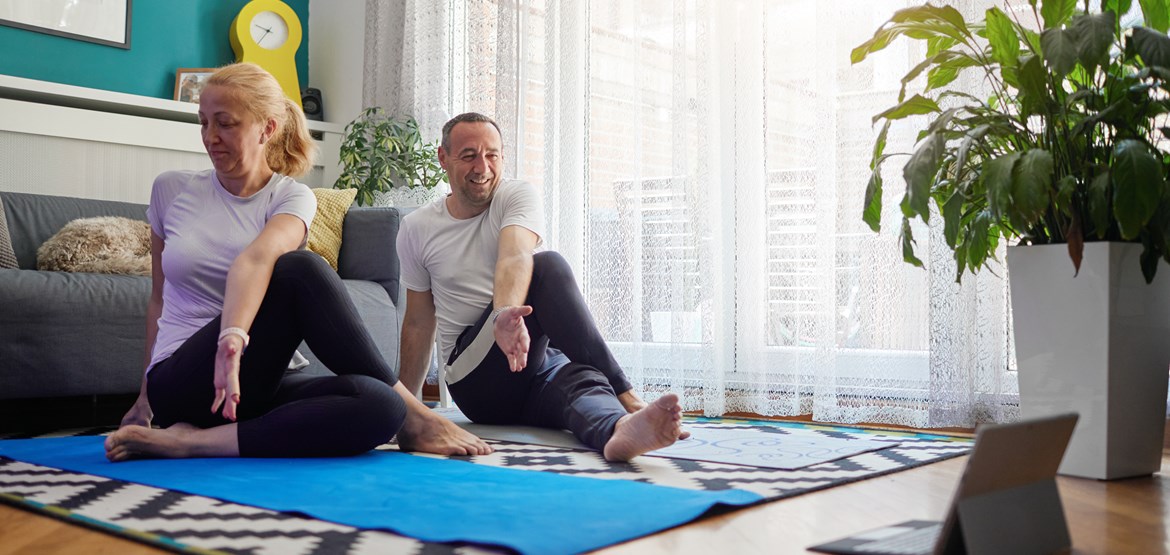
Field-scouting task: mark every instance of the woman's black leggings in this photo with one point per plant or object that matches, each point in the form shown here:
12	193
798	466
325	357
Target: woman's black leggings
580	395
286	413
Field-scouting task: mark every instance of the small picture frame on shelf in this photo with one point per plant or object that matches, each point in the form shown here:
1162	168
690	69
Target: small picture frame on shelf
189	82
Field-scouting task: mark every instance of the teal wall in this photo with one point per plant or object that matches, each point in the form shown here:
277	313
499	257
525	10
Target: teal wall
164	35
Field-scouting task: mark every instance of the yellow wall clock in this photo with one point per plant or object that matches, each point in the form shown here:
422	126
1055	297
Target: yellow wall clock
268	34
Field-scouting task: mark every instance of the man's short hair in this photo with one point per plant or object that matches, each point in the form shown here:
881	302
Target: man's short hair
469	117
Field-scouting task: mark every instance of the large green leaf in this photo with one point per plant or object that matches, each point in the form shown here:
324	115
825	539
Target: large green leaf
1033	85
1137	186
1094	37
1056	12
926	27
908	244
1116	7
1060	50
927	12
1155	14
1098	199
1066	188
997	178
913	106
973	136
920	172
977	239
1032	186
952	213
1001	35
948	69
935	45
1153	47
872	212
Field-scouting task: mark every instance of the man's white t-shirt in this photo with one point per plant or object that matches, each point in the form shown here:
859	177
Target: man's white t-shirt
205	228
456	259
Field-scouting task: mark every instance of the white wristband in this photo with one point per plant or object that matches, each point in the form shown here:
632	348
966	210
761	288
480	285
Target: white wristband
237	331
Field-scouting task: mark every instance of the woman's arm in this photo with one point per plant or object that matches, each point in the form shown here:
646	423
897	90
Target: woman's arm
247	283
141	414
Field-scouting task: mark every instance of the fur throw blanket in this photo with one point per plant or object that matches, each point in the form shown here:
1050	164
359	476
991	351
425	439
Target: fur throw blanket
104	245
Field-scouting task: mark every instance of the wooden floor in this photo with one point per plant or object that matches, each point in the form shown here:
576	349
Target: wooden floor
1125	516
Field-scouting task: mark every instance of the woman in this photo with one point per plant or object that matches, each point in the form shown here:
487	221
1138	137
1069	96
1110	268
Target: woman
233	296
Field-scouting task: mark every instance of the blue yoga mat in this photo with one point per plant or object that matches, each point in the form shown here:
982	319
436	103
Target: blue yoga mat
430	499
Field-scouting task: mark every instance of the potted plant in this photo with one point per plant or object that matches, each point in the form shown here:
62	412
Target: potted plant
1064	154
381	155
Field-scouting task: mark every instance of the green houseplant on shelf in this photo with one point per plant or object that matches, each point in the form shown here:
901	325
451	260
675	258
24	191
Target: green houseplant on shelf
381	154
1065	152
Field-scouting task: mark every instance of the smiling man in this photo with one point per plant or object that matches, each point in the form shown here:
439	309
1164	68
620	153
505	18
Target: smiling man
519	343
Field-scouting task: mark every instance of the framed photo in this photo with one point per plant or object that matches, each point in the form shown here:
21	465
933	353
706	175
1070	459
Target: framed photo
189	82
100	21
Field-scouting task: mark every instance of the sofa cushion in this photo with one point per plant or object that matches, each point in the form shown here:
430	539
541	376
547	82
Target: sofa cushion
101	245
380	317
325	233
7	257
32	219
64	334
369	251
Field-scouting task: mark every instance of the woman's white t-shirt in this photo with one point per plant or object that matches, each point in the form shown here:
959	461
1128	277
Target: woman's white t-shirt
204	228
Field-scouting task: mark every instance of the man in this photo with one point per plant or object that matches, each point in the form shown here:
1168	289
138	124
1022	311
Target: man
519	343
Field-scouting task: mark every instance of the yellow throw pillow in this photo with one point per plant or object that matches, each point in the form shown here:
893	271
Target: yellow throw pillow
325	233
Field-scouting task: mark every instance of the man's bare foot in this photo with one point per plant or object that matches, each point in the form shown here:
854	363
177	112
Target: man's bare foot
654	427
631	401
428	432
139	442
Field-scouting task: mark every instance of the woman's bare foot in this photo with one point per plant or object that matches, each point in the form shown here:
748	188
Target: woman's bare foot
176	442
139	415
654	427
428	432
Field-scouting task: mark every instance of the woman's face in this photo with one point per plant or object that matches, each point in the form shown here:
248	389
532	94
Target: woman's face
231	135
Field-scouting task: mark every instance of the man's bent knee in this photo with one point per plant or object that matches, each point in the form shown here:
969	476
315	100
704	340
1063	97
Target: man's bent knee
550	264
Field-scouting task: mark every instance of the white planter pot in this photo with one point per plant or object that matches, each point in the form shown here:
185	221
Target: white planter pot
1097	344
403	197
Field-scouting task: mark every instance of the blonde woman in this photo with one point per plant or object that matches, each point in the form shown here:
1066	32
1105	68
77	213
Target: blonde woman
233	295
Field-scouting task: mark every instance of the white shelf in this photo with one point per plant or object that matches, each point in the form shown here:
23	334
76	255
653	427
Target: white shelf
59	94
57	110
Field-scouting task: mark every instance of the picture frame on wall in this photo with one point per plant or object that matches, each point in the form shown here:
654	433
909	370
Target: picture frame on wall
189	82
98	21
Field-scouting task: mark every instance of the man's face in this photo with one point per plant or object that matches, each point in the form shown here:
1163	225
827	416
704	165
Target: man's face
473	163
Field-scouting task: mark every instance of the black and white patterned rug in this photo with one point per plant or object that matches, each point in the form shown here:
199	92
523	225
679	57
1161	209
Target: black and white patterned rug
183	522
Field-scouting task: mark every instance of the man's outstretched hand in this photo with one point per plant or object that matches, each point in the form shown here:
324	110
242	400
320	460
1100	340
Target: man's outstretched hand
512	335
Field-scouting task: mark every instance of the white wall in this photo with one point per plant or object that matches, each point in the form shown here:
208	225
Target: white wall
337	32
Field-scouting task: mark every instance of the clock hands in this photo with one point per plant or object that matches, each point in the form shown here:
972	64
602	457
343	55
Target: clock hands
267	31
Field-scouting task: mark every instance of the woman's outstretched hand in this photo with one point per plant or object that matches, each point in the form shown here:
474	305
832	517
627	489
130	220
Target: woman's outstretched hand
227	375
512	335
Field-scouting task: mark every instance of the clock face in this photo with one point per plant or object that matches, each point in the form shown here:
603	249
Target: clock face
269	30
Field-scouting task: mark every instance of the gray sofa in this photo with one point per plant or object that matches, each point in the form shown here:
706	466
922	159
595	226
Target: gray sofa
75	334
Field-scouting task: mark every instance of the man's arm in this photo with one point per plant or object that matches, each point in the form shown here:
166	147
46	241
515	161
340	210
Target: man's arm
513	266
512	278
418	338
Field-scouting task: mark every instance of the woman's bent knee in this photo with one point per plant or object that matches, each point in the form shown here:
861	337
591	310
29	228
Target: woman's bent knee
378	407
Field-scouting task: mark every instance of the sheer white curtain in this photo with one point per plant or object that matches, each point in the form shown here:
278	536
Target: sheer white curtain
703	164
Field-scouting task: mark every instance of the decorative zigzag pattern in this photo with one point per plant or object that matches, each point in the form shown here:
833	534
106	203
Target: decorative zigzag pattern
183	522
190	522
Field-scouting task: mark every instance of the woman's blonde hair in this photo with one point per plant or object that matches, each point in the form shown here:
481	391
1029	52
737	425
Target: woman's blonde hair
290	151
